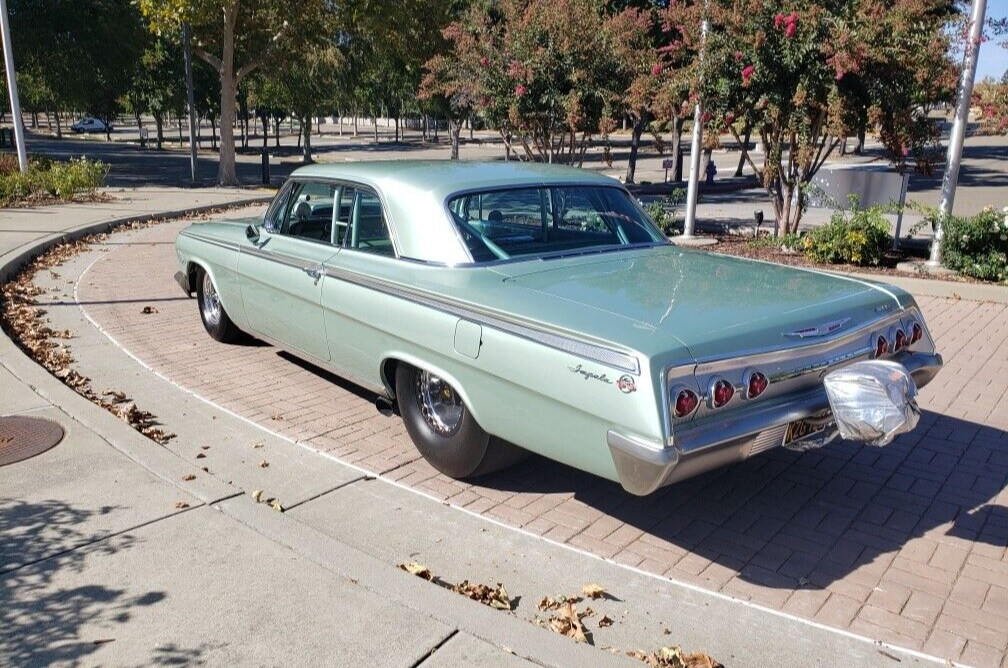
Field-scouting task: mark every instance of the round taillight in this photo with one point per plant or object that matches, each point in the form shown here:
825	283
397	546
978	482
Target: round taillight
721	393
757	384
881	346
686	402
900	340
916	333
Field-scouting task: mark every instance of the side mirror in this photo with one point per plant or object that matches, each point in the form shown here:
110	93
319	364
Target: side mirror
252	232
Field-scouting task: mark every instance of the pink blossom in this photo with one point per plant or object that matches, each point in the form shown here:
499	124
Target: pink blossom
906	151
484	61
729	117
706	117
790	30
778	19
738	56
656	69
520	90
515	69
747	72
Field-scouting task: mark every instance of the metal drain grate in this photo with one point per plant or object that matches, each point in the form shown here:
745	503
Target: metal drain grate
24	437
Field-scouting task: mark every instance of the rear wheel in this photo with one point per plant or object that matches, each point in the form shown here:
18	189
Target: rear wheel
443	429
215	318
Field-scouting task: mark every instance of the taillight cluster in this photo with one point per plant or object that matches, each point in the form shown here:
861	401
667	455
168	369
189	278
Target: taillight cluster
899	338
722	391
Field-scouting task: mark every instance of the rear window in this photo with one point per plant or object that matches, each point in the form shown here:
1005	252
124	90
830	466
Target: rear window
543	221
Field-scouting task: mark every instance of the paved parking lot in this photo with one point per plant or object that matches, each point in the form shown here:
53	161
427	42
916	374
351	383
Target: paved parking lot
905	544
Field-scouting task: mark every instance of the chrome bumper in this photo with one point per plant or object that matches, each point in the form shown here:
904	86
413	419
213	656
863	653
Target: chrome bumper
643	466
183	280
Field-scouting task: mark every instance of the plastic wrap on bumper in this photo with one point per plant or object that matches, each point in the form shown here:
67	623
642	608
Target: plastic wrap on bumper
873	402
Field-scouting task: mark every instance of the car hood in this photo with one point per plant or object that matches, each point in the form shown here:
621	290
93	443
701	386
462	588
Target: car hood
716	305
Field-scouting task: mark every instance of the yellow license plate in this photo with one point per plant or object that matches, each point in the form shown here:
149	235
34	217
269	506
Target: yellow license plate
801	429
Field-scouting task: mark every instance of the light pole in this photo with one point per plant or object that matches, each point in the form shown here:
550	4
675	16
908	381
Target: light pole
187	50
958	134
19	138
693	187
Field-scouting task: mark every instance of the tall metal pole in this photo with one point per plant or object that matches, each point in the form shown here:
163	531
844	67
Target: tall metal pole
190	95
958	134
693	188
15	103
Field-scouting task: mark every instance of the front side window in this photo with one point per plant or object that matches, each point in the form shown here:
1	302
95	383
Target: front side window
307	212
540	221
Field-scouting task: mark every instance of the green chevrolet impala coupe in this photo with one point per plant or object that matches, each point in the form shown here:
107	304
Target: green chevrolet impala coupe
514	307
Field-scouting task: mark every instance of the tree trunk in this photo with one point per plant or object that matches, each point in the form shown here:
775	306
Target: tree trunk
180	142
243	108
745	149
355	124
677	148
341	124
159	126
306	125
860	140
454	127
34	117
265	121
226	175
59	128
375	119
397	127
276	131
638	130
213	134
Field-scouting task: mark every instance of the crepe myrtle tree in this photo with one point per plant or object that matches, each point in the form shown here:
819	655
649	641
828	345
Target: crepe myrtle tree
545	74
806	74
234	37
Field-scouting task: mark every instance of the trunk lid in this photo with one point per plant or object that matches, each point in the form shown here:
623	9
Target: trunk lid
716	305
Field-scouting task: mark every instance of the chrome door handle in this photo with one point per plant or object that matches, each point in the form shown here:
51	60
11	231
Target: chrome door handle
315	271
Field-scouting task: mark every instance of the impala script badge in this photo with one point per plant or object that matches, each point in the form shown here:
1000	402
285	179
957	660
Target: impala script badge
626	384
817	330
590	375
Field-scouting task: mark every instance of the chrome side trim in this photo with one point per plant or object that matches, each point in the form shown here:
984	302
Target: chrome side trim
213	242
602	355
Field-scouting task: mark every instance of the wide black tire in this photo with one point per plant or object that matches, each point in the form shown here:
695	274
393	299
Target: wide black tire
215	318
463	452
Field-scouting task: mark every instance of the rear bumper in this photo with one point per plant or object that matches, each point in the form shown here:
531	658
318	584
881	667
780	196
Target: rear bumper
643	466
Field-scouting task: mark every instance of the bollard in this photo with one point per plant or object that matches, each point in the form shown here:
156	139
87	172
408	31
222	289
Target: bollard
265	167
758	217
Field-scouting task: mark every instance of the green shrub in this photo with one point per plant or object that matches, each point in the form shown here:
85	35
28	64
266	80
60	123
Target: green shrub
859	236
977	246
47	178
663	211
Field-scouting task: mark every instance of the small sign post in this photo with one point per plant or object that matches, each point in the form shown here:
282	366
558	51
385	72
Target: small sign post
666	165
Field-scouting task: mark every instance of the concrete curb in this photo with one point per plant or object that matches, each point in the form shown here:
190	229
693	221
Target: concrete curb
14	260
978	292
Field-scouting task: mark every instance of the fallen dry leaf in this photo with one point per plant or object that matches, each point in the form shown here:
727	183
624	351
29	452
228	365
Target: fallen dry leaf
263	464
568	623
674	657
417	569
592	590
605	621
189	476
257	495
148	310
550	603
181	504
200	455
275	505
494	597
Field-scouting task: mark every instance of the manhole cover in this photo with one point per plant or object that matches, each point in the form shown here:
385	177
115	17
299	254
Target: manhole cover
24	437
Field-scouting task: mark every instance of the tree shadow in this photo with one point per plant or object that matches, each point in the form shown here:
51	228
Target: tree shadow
42	620
785	519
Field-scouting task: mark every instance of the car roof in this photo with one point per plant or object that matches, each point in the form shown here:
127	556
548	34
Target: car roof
441	178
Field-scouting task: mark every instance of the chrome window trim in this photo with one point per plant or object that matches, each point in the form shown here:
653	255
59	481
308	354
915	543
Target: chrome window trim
608	356
539	184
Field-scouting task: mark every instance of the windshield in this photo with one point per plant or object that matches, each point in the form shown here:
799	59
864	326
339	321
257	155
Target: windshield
539	221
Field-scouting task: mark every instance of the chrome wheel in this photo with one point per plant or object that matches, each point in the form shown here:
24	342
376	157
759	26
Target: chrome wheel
440	404
211	302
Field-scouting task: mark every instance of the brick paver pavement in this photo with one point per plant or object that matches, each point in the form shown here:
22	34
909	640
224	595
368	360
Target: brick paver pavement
905	544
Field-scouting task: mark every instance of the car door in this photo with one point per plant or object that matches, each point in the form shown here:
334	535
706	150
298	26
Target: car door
352	312
282	272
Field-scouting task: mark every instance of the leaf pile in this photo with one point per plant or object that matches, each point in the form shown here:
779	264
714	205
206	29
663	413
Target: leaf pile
494	597
272	502
567	622
24	320
674	657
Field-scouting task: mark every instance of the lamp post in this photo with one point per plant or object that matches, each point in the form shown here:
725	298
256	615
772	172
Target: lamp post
187	50
958	134
15	103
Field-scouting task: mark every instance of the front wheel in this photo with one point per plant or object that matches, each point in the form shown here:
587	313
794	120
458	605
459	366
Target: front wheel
444	431
215	318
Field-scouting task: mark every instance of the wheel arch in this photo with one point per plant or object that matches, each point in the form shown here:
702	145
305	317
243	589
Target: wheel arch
391	362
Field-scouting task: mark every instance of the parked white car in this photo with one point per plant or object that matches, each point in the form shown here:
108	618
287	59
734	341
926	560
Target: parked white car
91	124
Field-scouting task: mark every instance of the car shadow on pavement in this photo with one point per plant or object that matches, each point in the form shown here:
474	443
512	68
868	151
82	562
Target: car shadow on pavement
43	619
787	520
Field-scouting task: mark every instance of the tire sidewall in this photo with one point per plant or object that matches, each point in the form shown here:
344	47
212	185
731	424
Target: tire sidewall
220	330
457	455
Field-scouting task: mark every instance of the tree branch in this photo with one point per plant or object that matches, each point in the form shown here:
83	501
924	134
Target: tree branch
255	63
211	59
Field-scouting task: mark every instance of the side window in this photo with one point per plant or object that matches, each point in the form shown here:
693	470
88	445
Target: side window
367	231
308	212
509	214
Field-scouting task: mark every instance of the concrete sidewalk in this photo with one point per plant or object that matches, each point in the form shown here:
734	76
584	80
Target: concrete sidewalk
111	555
